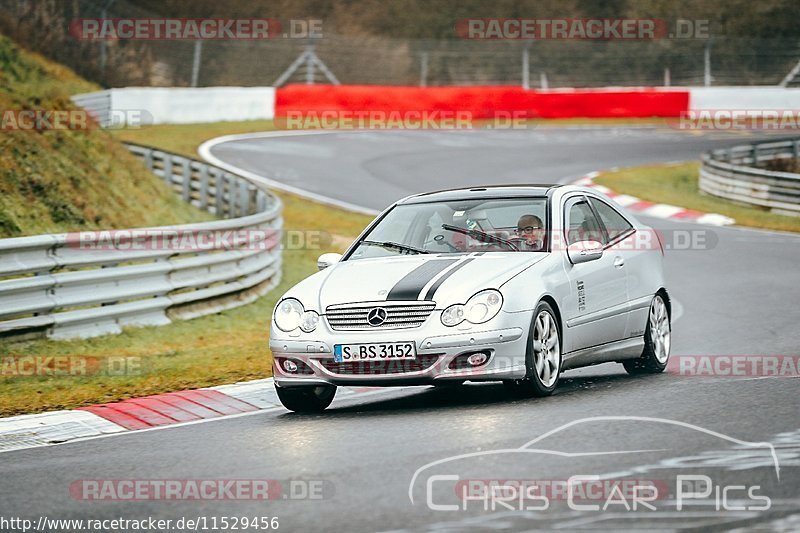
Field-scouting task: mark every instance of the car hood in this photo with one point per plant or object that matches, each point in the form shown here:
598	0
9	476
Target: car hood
445	279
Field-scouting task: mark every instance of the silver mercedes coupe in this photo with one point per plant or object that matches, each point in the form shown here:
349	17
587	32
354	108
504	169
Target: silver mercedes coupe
498	283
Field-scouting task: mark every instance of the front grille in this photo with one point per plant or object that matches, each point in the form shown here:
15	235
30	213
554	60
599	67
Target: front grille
381	367
348	317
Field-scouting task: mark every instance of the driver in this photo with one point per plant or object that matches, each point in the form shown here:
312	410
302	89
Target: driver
530	233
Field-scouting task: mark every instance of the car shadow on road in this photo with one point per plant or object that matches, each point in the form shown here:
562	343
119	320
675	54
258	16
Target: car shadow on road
475	395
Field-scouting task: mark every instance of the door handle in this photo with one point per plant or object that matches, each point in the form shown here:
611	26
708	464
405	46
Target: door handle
619	262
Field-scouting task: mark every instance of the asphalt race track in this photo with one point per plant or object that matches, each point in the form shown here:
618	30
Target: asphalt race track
737	296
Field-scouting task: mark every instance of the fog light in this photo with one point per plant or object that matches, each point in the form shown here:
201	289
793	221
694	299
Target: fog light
290	366
477	359
470	360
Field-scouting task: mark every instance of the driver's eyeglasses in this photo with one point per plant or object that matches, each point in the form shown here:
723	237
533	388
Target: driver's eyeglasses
528	229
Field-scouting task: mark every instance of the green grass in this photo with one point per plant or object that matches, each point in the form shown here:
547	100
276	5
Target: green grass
54	181
217	349
185	138
677	185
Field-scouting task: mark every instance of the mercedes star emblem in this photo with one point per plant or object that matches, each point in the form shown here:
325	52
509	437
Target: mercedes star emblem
376	316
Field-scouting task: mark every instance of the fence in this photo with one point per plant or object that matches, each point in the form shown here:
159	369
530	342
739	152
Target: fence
733	173
53	286
378	60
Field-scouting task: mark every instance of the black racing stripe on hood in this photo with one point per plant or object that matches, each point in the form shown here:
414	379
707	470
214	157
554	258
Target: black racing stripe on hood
432	289
409	287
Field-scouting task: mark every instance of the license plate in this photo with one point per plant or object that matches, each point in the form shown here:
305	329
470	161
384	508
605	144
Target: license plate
343	353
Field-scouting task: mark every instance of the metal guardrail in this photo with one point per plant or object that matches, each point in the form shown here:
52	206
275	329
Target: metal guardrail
98	104
55	286
733	173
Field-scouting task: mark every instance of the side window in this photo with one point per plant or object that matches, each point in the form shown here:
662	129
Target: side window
582	225
615	223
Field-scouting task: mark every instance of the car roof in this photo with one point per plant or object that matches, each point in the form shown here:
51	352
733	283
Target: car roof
515	190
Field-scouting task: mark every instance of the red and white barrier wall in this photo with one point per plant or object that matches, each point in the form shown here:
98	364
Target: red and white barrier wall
484	102
214	104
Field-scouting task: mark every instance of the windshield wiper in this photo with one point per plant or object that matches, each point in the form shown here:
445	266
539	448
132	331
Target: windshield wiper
481	236
397	246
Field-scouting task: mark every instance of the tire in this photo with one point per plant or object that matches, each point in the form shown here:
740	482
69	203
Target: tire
543	366
306	399
657	341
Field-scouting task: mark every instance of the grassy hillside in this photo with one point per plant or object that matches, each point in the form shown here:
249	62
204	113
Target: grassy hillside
211	350
57	180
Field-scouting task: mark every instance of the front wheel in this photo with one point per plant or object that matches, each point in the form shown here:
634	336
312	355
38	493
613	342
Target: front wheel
543	356
306	399
657	341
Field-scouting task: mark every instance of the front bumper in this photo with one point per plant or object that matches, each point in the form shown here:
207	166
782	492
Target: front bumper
503	339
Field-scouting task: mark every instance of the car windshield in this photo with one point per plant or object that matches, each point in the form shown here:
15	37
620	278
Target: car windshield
458	226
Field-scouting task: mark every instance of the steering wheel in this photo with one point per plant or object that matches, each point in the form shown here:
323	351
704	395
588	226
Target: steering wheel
440	239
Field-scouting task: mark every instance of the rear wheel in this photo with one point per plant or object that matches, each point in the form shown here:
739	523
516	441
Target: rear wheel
306	399
543	356
657	341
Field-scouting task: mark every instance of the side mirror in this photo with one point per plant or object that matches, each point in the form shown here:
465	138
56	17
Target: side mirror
326	260
584	251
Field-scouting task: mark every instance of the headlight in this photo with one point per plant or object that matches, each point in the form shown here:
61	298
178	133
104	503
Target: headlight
309	321
453	315
288	314
481	308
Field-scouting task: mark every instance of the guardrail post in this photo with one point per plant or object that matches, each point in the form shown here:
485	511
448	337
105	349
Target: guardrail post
252	199
755	155
148	159
228	195
186	168
168	169
219	196
244	198
796	148
204	187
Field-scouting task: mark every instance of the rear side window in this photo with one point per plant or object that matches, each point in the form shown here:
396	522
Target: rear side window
582	224
615	223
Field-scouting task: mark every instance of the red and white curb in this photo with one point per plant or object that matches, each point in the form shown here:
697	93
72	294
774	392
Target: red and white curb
30	431
652	209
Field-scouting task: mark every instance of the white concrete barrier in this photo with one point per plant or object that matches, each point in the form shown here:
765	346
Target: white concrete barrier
179	105
747	98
